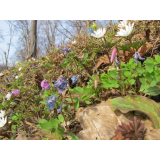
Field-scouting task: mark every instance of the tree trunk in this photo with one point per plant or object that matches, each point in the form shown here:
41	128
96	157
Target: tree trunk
33	39
6	60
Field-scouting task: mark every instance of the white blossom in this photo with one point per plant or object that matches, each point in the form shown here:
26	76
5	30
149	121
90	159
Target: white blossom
8	96
16	77
73	42
2	113
20	68
125	32
3	121
122	24
1	74
99	33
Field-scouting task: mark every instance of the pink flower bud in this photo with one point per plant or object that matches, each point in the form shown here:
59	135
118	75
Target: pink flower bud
113	54
96	82
45	85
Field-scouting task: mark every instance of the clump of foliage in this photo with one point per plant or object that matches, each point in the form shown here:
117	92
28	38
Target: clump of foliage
133	131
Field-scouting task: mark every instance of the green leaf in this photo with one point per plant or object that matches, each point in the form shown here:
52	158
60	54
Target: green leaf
42	121
79	89
87	102
153	91
138	103
85	56
140	70
85	97
46	126
154	82
131	81
43	102
127	74
76	105
149	64
131	61
113	74
73	136
61	118
54	122
157	58
58	132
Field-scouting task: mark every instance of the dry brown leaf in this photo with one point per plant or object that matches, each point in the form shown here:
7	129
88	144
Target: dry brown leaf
104	59
145	48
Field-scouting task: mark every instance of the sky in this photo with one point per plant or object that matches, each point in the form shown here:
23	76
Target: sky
4	30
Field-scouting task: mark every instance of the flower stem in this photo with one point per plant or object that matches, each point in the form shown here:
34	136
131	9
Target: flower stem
72	100
123	89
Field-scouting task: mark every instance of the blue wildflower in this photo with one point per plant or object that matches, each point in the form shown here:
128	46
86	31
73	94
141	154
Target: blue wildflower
61	84
9	78
74	79
89	31
117	60
51	102
33	66
137	56
66	50
60	109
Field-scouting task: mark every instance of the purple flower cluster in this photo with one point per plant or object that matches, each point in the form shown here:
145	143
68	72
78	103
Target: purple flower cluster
66	50
33	66
137	56
61	84
15	92
51	103
9	78
74	79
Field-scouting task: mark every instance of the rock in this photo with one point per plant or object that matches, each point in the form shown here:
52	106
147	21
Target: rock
99	122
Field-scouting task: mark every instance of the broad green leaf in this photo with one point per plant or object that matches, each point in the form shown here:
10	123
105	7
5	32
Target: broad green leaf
131	81
140	70
46	126
138	103
79	89
113	74
54	122
157	58
149	64
127	74
61	118
154	82
43	121
153	91
58	132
